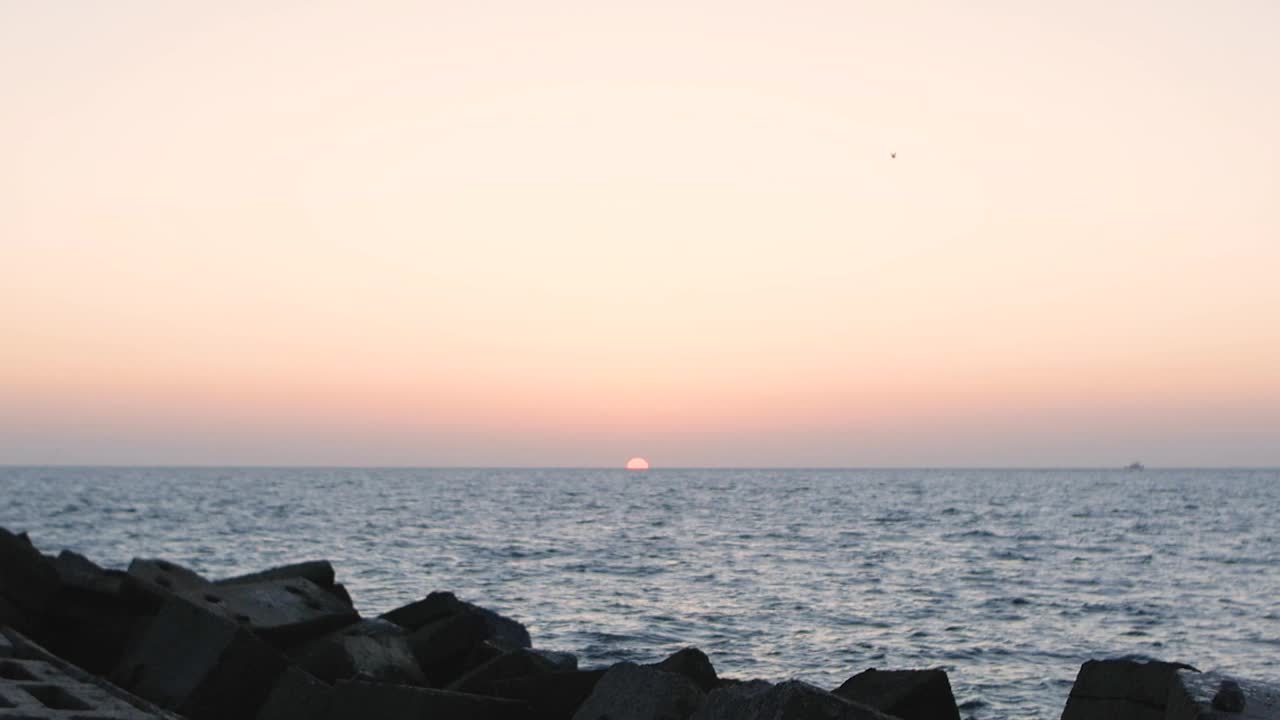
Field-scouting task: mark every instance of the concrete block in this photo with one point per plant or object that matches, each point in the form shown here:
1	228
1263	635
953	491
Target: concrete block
297	695
551	696
517	663
631	692
502	630
27	579
319	572
284	612
166	575
199	663
906	694
1121	689
376	649
372	701
442	647
693	664
1192	696
27	649
792	700
36	690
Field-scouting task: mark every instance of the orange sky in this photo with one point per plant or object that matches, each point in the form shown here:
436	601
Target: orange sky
566	233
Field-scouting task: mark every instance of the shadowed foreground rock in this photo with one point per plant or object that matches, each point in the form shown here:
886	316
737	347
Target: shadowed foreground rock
159	640
1121	688
792	700
906	694
630	692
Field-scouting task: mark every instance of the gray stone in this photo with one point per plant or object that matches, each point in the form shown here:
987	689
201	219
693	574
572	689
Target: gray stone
693	664
517	663
631	692
552	696
35	689
906	694
297	695
560	661
27	649
1121	688
319	572
199	663
501	630
791	700
27	581
374	648
166	575
443	647
284	612
372	701
1192	696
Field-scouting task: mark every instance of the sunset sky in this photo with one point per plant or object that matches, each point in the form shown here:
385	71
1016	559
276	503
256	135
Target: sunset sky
565	233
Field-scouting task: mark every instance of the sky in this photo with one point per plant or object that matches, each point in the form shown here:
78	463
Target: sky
503	233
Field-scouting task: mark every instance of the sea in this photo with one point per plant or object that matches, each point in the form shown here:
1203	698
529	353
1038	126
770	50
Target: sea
1007	579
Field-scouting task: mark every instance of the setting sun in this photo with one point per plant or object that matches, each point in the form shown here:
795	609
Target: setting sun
637	463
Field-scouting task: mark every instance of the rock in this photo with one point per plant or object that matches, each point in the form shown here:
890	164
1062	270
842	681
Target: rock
371	701
792	700
552	696
319	572
693	664
166	575
376	649
107	701
517	663
1229	698
906	694
90	621
502	630
561	661
27	581
1201	696
442	647
297	695
284	612
1121	688
631	692
200	663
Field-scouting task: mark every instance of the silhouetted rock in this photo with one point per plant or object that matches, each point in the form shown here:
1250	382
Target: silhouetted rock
284	612
631	692
443	647
1121	688
372	701
27	581
516	663
374	648
693	664
166	575
906	694
89	619
200	663
792	700
297	695
552	696
319	572
501	630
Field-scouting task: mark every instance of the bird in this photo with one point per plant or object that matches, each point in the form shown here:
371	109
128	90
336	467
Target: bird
893	155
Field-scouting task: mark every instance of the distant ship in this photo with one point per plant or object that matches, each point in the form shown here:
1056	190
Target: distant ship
1135	466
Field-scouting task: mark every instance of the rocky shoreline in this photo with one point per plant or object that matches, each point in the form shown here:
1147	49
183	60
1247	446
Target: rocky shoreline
157	640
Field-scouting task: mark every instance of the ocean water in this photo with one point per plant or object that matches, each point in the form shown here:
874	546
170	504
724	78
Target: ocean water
1007	579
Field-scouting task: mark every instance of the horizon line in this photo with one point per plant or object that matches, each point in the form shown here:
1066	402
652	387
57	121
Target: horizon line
235	466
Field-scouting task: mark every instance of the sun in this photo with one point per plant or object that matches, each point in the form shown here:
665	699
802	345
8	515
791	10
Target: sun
637	463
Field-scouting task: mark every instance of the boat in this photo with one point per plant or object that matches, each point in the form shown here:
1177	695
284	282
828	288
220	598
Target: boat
1135	466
